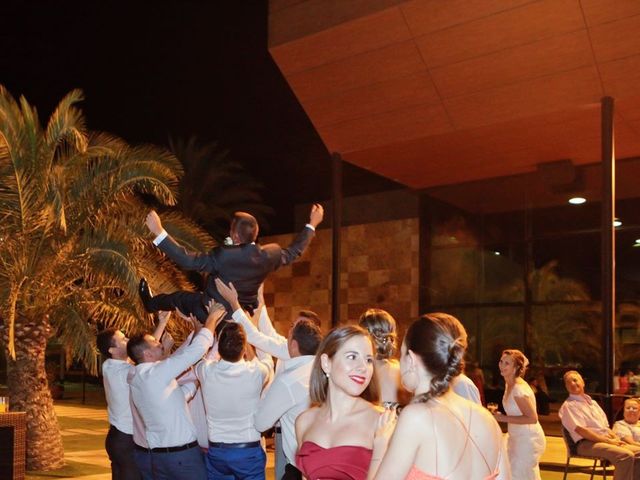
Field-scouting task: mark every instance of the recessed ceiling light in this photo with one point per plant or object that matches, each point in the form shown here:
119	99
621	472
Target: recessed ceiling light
577	200
496	253
617	222
637	241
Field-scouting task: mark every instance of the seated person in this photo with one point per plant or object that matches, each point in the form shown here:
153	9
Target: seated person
589	429
628	430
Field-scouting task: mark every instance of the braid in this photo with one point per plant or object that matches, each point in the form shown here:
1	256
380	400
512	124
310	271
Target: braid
440	383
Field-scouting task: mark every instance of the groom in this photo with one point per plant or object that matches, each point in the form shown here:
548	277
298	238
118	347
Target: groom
245	264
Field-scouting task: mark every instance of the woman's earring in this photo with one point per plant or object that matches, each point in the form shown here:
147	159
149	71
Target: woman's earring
327	374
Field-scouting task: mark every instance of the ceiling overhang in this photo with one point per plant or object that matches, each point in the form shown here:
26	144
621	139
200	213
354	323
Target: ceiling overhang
432	92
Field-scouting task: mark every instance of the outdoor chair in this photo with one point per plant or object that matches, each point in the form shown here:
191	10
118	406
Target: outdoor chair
572	452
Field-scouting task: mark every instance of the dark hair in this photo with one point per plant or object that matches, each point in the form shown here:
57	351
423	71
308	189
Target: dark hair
136	346
318	383
231	341
308	336
440	340
104	341
245	226
382	327
519	360
313	316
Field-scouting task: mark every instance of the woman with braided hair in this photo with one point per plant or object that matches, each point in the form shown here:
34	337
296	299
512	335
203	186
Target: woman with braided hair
439	435
382	328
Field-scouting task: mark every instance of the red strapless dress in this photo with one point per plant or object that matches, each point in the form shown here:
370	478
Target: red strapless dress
345	462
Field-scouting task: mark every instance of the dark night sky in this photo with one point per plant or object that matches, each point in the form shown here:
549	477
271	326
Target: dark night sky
180	68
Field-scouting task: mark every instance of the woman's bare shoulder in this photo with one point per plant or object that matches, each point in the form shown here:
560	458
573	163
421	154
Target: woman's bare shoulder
306	418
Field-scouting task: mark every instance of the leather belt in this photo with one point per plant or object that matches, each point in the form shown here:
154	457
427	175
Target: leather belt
168	449
234	445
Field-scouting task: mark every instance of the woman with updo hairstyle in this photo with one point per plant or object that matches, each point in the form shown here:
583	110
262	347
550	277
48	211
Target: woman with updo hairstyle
335	436
526	441
382	328
439	434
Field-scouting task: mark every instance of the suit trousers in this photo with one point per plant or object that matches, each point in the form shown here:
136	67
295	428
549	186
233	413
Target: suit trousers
186	302
119	447
236	463
626	459
291	473
183	465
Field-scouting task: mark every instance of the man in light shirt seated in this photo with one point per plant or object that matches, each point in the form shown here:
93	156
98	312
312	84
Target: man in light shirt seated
231	389
172	448
288	395
589	428
112	343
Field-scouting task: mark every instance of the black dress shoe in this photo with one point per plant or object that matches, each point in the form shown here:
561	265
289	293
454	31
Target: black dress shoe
145	294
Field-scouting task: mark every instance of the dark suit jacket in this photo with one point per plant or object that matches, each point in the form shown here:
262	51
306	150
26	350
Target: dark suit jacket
246	265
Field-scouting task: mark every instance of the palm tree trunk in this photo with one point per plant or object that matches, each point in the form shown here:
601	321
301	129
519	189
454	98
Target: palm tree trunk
29	392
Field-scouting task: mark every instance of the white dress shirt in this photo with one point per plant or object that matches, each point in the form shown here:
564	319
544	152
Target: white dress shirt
285	399
116	389
159	399
231	393
465	387
265	339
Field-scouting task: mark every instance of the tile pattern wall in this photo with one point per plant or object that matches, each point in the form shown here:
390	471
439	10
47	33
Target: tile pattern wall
379	268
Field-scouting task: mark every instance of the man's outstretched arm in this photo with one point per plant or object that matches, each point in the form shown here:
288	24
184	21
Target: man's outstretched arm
303	239
181	256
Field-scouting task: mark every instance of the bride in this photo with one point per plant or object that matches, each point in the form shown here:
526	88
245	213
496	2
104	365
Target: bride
526	439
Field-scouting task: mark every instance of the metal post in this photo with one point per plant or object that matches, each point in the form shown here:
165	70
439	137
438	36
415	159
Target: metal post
608	248
336	227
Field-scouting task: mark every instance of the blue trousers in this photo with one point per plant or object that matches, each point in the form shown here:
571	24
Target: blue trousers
236	463
183	465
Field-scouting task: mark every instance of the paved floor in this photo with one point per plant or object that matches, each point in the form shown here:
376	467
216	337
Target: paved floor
84	428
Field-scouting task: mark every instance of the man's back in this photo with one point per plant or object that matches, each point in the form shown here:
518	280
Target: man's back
231	392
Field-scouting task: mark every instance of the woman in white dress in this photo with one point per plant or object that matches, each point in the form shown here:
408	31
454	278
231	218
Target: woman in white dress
526	441
628	430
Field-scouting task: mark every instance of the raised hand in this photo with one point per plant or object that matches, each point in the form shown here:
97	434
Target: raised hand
316	215
229	293
216	313
153	223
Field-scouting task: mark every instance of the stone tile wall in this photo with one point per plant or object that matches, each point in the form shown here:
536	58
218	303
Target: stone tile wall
379	268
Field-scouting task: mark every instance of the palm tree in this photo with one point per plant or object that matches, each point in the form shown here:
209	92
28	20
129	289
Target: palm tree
214	186
73	247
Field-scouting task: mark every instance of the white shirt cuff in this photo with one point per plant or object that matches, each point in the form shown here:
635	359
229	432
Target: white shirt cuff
160	238
308	225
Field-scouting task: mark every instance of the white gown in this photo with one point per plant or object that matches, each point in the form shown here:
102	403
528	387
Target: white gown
525	443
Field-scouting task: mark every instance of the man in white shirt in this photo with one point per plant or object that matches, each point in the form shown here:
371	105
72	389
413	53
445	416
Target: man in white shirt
288	395
465	387
589	429
172	449
231	389
119	444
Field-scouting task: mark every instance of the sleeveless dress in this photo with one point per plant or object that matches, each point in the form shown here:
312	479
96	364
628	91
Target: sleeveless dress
345	462
525	443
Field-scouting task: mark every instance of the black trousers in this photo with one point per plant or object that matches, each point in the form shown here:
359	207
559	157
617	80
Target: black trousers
186	302
120	447
291	473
